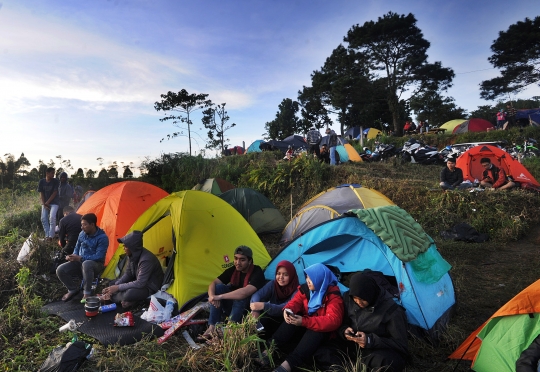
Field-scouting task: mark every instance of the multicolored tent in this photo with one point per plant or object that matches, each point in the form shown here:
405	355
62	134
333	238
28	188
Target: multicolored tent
117	206
330	204
196	233
372	133
385	239
257	209
497	344
451	125
469	163
214	186
473	125
254	147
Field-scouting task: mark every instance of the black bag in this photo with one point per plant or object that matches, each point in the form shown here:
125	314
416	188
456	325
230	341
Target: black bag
465	232
66	359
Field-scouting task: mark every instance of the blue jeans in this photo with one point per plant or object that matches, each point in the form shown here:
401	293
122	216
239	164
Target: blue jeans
462	186
86	271
48	219
333	155
234	309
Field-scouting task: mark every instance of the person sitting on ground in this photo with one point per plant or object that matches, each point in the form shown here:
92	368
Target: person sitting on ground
452	176
87	260
143	276
494	177
529	360
324	156
310	317
270	299
229	293
374	328
69	229
289	153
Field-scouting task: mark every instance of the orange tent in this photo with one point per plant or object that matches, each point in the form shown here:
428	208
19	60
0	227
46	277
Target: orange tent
469	163
525	302
118	206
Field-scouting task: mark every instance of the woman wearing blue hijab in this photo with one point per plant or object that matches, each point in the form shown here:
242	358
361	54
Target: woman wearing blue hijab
311	316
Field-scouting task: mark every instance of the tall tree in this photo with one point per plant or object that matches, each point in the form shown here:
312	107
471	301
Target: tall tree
396	46
183	103
286	122
435	108
215	119
516	52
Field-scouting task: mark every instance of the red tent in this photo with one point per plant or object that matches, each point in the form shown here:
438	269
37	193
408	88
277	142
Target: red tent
469	163
473	125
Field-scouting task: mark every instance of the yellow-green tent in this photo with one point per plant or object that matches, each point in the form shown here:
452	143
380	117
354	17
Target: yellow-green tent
199	232
450	125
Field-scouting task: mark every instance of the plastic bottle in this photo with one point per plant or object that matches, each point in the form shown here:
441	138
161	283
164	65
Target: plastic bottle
476	182
107	308
169	307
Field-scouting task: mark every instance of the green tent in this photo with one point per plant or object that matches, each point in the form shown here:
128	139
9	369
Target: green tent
261	214
214	186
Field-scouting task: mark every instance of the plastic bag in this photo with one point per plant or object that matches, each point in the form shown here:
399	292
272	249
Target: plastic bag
24	253
160	308
68	358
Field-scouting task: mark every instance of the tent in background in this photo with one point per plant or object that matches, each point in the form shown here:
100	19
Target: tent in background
352	154
214	186
532	116
352	132
117	206
257	209
197	232
297	142
371	133
469	163
501	339
385	239
473	125
330	204
451	125
254	147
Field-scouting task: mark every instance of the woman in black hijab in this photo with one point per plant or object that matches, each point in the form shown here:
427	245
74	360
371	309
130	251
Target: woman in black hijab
374	328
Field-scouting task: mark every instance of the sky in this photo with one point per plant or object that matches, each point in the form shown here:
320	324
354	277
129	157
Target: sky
80	78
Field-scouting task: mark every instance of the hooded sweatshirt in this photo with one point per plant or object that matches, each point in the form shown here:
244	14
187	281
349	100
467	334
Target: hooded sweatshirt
143	268
65	191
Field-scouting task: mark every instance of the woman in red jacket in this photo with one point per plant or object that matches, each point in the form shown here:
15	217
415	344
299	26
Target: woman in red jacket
310	317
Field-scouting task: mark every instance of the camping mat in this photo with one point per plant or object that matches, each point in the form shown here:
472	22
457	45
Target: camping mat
101	326
397	229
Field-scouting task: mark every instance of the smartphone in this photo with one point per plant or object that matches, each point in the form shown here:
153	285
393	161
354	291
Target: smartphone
289	312
260	327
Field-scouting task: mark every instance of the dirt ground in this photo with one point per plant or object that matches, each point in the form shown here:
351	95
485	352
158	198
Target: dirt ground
485	276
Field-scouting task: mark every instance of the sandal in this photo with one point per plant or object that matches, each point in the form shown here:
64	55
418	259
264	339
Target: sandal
280	369
262	362
68	296
203	338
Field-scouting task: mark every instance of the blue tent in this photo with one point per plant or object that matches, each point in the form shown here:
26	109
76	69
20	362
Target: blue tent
352	132
532	115
347	243
254	147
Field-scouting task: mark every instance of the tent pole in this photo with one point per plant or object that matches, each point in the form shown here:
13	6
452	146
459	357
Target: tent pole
361	136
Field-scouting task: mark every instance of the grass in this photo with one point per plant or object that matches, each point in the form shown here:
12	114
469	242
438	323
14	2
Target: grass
485	275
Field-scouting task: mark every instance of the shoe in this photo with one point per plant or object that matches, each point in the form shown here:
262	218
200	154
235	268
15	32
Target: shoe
68	296
280	369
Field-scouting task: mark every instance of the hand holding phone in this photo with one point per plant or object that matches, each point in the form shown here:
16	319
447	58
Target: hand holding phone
289	312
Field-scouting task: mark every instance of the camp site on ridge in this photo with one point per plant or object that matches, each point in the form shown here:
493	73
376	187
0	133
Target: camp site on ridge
361	226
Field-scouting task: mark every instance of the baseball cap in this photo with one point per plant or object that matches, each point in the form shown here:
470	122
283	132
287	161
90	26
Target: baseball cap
244	251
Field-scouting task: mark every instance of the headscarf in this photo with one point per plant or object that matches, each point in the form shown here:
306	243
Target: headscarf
322	278
285	292
365	287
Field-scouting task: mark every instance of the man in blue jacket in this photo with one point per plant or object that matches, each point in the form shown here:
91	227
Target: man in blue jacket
87	260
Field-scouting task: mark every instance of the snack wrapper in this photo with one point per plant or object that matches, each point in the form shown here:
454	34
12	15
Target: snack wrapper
124	320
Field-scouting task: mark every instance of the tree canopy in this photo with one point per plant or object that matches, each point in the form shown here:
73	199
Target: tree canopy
516	52
215	119
183	103
286	122
395	49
